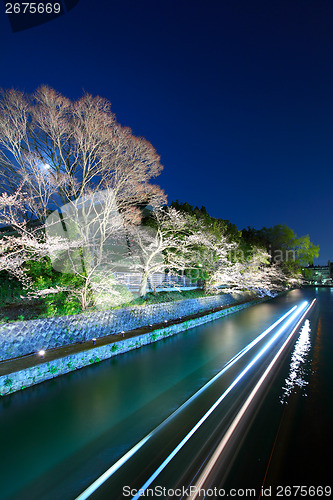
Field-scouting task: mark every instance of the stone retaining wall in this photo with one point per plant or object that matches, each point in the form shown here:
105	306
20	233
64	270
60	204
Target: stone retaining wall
26	337
36	374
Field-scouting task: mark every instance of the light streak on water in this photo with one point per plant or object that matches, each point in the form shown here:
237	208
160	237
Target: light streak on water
234	424
297	372
116	466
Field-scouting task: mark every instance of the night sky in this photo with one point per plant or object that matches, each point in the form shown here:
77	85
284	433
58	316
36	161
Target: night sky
235	95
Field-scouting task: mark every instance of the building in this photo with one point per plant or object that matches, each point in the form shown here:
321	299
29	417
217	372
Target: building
319	275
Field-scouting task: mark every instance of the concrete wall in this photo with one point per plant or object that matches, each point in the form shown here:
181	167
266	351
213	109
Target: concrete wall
26	337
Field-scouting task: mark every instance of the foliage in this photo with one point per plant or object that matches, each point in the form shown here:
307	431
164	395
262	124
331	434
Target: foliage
282	243
215	226
11	289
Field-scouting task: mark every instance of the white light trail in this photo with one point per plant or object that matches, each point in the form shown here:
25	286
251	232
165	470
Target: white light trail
203	477
218	401
107	474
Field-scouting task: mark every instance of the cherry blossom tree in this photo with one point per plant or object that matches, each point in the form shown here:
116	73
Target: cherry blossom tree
260	276
252	272
23	242
94	243
57	150
166	245
55	153
215	259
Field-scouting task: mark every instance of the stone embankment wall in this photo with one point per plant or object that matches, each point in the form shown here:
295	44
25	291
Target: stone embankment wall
26	337
45	371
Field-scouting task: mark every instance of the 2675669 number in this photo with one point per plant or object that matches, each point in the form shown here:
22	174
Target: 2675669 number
32	8
303	491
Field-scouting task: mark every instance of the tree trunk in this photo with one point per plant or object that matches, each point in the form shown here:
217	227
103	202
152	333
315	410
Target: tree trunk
143	286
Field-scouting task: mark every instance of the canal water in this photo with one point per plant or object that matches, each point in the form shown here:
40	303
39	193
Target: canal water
290	442
56	438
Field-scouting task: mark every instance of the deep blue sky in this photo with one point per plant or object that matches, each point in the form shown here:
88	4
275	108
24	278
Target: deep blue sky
235	95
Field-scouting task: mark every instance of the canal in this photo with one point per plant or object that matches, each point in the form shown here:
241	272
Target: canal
59	437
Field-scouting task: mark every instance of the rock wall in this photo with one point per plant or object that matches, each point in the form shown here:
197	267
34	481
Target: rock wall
26	337
45	371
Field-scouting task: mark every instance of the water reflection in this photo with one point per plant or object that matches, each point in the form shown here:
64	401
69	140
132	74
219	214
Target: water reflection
297	371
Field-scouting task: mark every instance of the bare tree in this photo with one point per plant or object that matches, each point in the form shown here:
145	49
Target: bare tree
57	151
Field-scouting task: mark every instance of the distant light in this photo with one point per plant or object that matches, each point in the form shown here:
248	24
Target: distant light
93	341
41	353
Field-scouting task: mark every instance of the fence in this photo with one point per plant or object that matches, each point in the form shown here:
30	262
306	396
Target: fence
155	282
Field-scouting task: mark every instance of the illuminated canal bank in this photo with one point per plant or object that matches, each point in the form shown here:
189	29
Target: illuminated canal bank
41	365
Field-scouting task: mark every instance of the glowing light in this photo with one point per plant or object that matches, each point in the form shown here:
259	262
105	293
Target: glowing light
41	353
204	475
96	484
217	403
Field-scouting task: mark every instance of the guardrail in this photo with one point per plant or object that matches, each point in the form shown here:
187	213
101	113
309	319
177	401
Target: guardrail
155	282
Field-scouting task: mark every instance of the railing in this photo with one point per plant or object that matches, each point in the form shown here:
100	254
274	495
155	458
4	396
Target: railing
155	282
